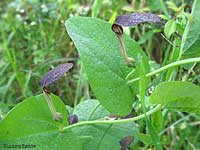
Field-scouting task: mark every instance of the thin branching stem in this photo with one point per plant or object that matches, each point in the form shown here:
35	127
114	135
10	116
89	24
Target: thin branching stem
113	121
171	65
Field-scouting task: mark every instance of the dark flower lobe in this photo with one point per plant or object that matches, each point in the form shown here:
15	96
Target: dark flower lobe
72	119
125	142
136	18
54	74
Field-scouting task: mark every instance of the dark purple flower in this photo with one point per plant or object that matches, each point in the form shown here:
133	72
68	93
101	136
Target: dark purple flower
72	119
136	18
125	142
54	74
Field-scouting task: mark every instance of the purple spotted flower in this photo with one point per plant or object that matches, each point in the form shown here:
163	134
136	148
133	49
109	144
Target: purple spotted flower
136	18
54	74
133	20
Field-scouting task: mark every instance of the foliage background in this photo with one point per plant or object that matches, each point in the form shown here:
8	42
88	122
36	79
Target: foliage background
33	39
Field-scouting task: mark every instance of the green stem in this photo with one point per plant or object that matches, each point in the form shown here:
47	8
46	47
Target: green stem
50	103
171	65
122	47
113	121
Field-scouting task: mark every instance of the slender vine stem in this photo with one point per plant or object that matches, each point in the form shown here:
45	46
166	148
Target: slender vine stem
113	121
171	65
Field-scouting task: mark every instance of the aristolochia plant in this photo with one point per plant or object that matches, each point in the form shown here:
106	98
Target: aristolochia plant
108	122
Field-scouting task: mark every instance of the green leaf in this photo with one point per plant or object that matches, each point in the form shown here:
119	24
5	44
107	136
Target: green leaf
183	96
106	137
191	38
49	140
170	28
30	122
104	65
172	6
90	110
103	137
157	120
145	138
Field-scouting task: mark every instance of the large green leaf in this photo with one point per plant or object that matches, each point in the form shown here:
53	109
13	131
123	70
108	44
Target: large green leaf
103	137
183	96
30	122
191	37
90	110
102	60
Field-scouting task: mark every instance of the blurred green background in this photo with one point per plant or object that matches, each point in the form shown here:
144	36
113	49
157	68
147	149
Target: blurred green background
33	39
